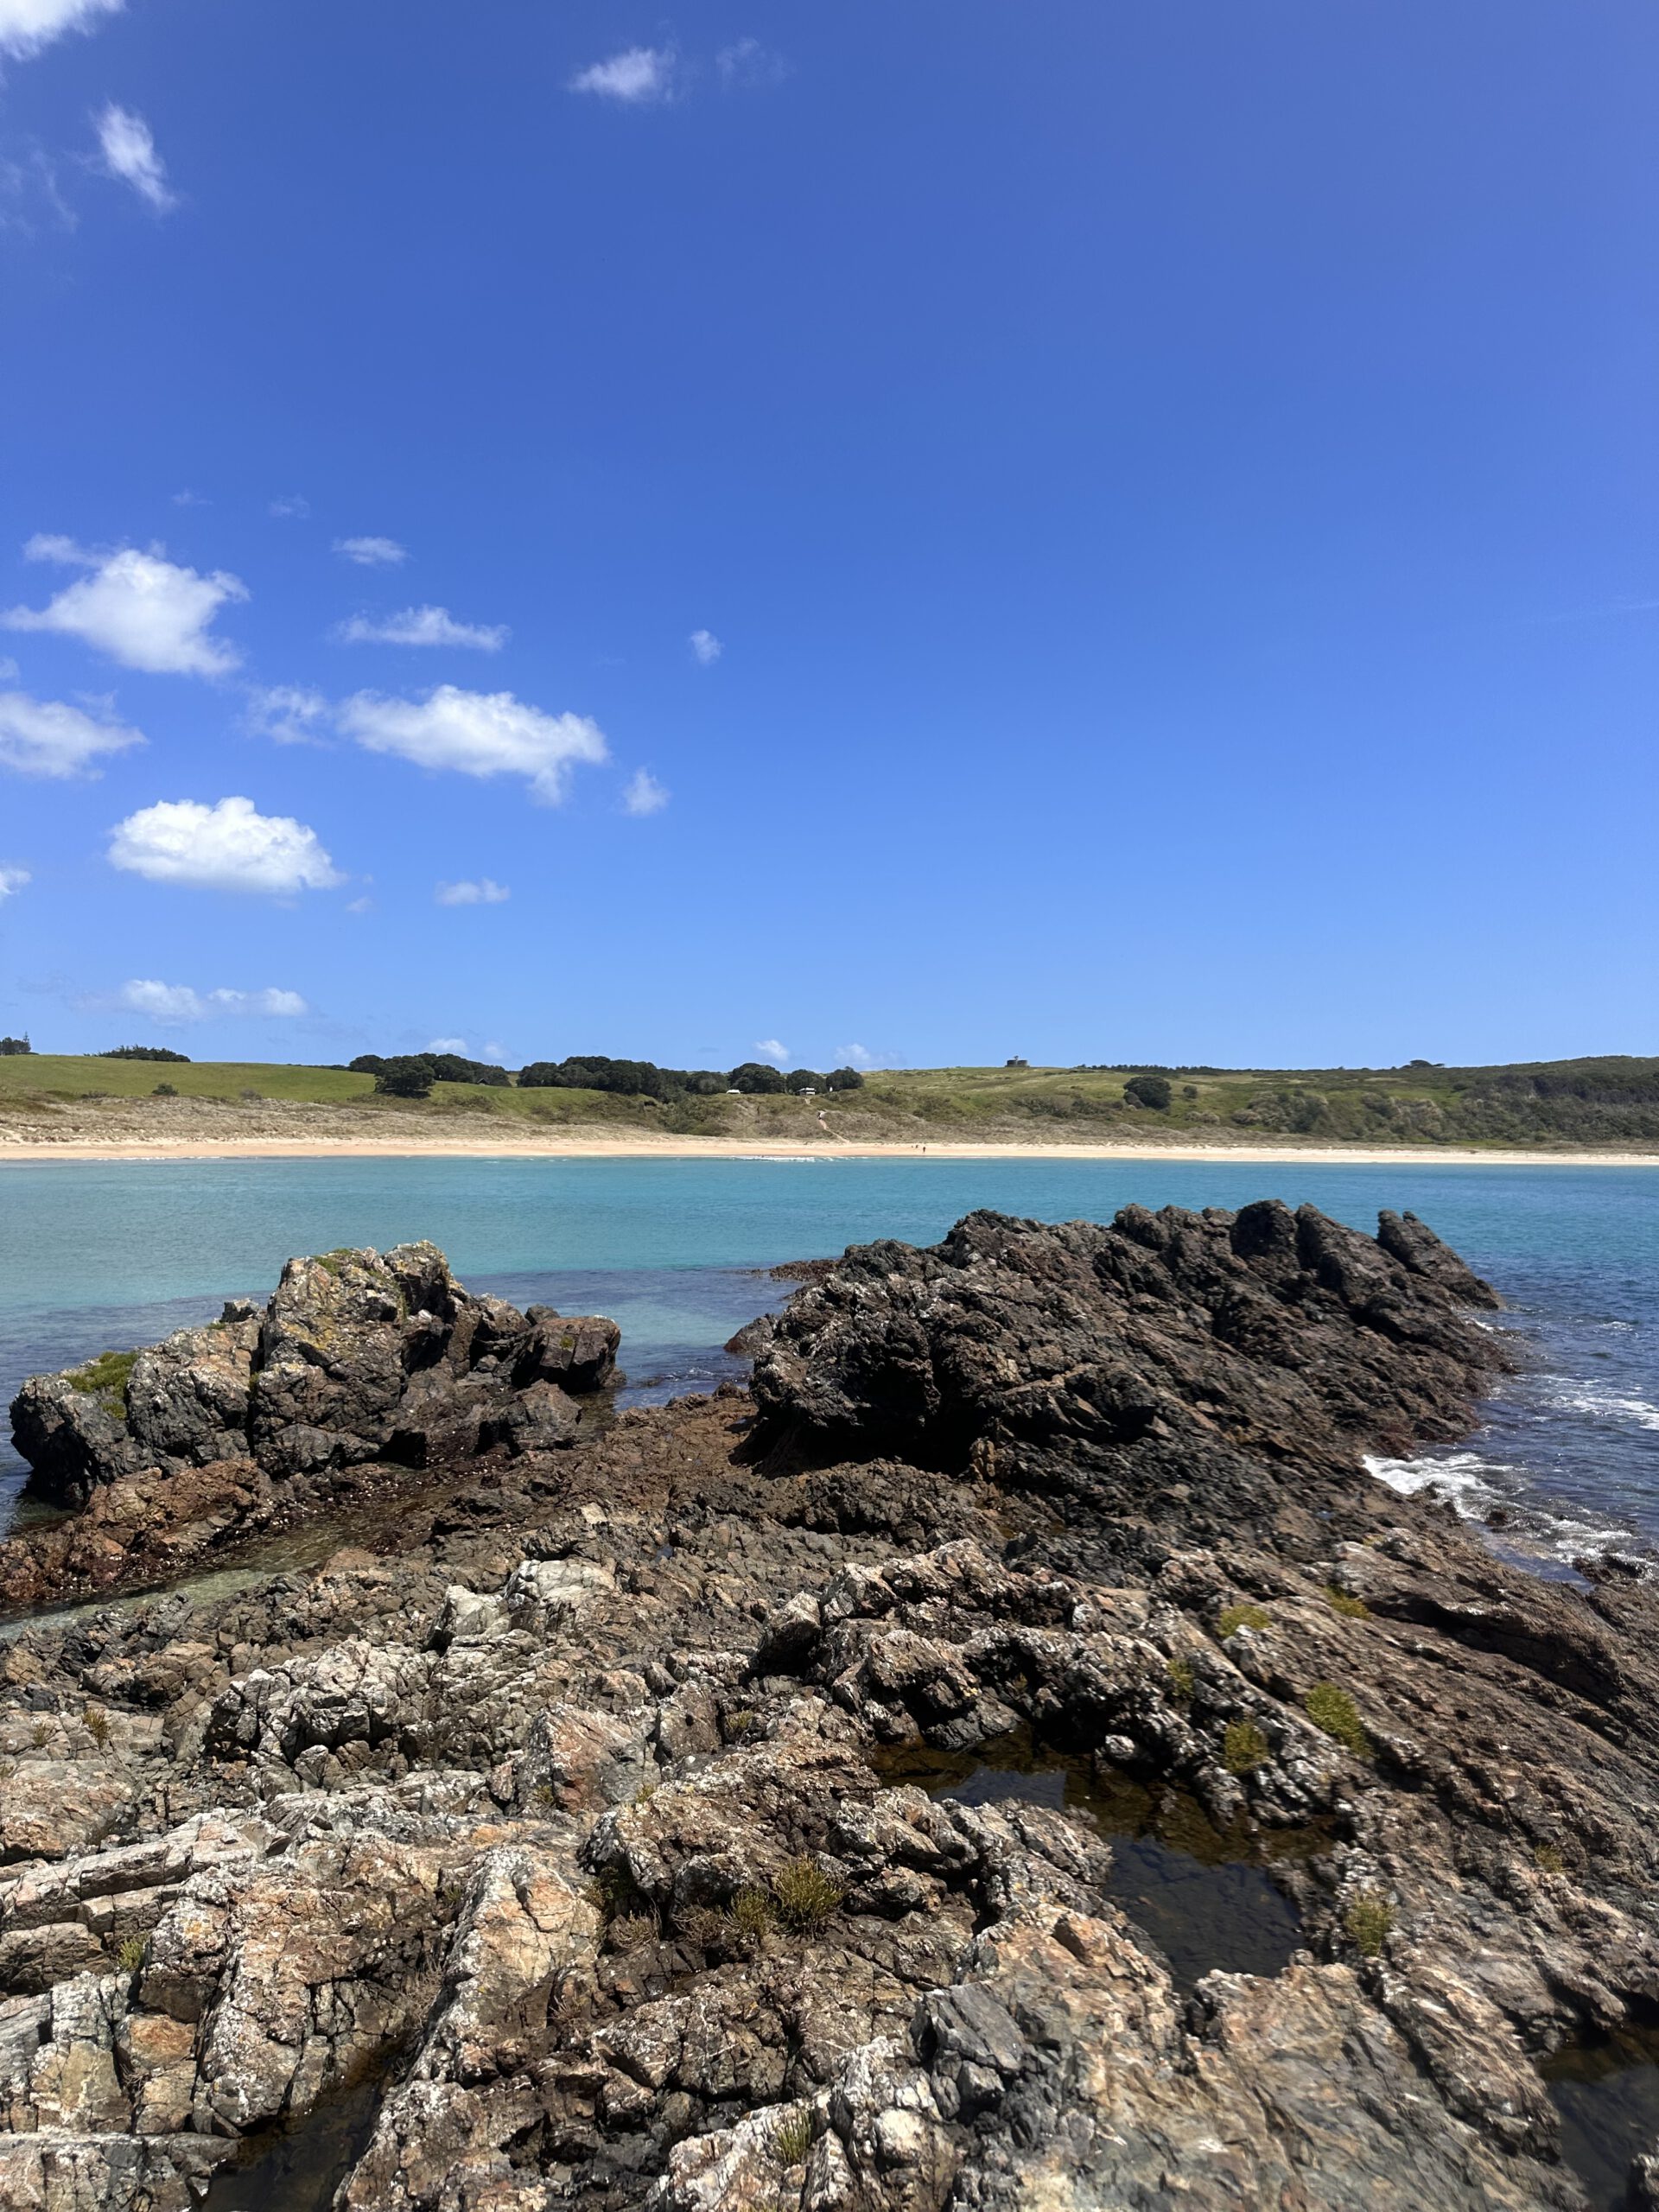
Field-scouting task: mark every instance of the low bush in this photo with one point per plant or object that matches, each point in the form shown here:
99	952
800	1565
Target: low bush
1231	1618
1329	1706
1244	1747
1352	1609
1368	1920
805	1896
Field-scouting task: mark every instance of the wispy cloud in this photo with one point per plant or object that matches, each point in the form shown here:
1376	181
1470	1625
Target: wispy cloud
129	155
484	892
12	881
423	625
228	847
706	648
640	76
745	65
855	1056
140	608
477	733
289	713
45	737
644	794
188	498
26	26
450	1045
292	506
172	1004
372	552
770	1048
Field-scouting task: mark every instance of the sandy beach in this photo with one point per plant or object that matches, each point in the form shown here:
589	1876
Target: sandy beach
577	1147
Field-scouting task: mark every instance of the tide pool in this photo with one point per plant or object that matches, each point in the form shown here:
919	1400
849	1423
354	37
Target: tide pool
97	1255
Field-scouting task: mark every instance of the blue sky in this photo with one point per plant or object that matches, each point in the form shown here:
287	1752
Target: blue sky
930	532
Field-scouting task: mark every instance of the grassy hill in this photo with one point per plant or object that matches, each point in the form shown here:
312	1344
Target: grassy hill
1564	1103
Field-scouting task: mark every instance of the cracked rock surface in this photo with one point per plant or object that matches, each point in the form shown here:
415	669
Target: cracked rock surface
586	1808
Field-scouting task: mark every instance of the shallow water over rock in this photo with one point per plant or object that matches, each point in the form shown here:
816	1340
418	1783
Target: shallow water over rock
298	2169
1202	1894
1607	2094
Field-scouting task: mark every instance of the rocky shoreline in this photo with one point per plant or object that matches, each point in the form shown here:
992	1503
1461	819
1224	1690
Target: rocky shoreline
1014	1756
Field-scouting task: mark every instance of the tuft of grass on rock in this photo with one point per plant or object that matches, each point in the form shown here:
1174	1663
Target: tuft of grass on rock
98	1725
805	1896
1244	1747
1329	1706
105	1378
1231	1618
1352	1609
131	1955
752	1915
1368	1920
1183	1680
1548	1860
791	2139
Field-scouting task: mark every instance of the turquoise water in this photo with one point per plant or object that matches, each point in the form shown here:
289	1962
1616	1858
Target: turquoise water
103	1256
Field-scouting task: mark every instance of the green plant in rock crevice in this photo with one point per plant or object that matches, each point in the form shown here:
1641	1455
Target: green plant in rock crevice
1231	1618
1368	1920
1329	1706
1244	1747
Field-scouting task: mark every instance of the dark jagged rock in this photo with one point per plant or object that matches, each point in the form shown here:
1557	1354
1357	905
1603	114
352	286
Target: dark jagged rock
357	1359
569	1807
1174	1367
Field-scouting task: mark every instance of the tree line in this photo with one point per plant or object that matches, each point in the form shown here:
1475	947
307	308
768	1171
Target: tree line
411	1075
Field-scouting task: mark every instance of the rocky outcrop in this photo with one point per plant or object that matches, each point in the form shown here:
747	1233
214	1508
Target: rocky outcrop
1215	1373
358	1361
618	1818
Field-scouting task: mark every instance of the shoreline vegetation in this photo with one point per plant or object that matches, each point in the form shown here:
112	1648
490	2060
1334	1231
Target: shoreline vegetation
1574	1112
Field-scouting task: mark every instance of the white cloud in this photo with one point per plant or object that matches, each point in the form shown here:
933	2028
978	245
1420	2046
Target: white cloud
173	1003
359	906
706	648
644	794
27	25
229	846
139	608
190	499
293	507
477	733
130	156
484	892
12	881
854	1056
770	1049
747	66
372	552
640	76
423	625
494	1051
43	737
450	1044
286	712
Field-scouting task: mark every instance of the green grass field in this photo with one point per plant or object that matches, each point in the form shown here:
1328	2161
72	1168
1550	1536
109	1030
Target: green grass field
1609	1100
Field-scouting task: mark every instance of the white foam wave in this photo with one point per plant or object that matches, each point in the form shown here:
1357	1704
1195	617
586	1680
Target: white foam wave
1604	1405
1463	1475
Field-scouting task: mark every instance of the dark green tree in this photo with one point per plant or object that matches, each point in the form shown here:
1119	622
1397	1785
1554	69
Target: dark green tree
756	1076
1152	1091
408	1075
843	1079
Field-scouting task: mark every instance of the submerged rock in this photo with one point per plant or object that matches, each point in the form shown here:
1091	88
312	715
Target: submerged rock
571	1813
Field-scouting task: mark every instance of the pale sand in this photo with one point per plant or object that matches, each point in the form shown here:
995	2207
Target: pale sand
632	1148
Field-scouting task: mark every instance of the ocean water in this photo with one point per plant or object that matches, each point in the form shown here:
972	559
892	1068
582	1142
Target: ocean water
97	1257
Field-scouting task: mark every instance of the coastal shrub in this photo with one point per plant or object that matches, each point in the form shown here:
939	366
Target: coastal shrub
752	1915
791	2139
366	1064
1352	1609
1243	1747
1231	1618
410	1076
1183	1680
755	1077
804	1079
1152	1091
105	1378
631	1931
145	1053
843	1079
1368	1920
1189	1090
804	1895
1329	1706
11	1047
165	1090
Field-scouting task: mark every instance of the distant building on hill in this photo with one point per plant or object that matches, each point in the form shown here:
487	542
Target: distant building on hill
1016	1063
